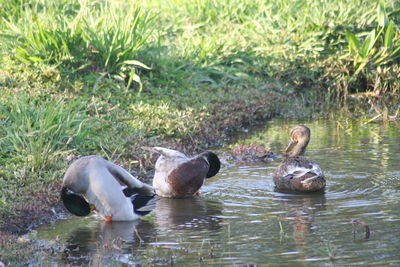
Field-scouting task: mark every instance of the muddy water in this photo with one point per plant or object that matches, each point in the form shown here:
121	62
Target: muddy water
239	219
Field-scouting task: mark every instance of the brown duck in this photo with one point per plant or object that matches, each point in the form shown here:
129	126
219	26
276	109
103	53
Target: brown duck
297	173
177	175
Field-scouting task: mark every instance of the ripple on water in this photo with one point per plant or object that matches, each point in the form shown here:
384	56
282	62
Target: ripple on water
359	203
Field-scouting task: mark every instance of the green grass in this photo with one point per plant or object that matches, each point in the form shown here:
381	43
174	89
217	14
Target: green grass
210	42
35	131
104	77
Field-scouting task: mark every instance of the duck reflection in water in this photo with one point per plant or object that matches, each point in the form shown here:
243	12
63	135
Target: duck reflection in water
96	245
194	213
301	209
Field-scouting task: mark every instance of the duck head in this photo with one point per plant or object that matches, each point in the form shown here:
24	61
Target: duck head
75	203
214	162
299	137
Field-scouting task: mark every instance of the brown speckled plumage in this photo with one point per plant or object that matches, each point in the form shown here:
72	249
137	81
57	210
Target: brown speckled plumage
297	173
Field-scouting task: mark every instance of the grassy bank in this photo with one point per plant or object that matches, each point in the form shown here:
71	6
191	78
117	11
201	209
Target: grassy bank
106	77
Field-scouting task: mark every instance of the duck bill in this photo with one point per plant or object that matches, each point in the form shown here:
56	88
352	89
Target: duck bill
290	146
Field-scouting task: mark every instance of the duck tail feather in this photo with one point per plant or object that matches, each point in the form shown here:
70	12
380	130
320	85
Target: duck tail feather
143	205
145	190
168	153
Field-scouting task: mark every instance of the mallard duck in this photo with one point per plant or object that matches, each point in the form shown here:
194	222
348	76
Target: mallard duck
178	176
297	173
93	183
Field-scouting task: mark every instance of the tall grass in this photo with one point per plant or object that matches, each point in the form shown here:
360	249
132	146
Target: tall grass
300	43
39	132
116	32
376	54
106	35
203	42
48	33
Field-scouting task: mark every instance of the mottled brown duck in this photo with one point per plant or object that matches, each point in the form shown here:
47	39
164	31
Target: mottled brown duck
296	172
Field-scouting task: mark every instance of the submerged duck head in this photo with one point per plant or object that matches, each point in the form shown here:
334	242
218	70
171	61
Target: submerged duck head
75	203
214	162
299	137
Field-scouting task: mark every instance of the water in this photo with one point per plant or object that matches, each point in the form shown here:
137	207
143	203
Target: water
239	219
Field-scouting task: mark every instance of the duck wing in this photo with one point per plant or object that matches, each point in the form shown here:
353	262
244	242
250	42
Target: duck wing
297	167
300	174
188	177
143	205
125	178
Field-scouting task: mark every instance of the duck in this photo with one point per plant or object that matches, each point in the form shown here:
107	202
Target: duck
179	176
92	183
296	172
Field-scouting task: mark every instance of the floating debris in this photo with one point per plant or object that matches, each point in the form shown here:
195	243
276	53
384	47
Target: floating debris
252	153
356	222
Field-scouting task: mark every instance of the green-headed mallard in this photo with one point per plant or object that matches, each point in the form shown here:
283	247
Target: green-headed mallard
92	182
297	173
177	175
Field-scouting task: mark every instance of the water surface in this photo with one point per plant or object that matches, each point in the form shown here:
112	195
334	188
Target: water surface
239	219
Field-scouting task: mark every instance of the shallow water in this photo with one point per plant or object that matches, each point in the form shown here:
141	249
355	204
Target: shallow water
239	219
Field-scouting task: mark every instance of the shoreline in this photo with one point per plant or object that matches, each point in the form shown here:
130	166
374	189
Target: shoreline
48	208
